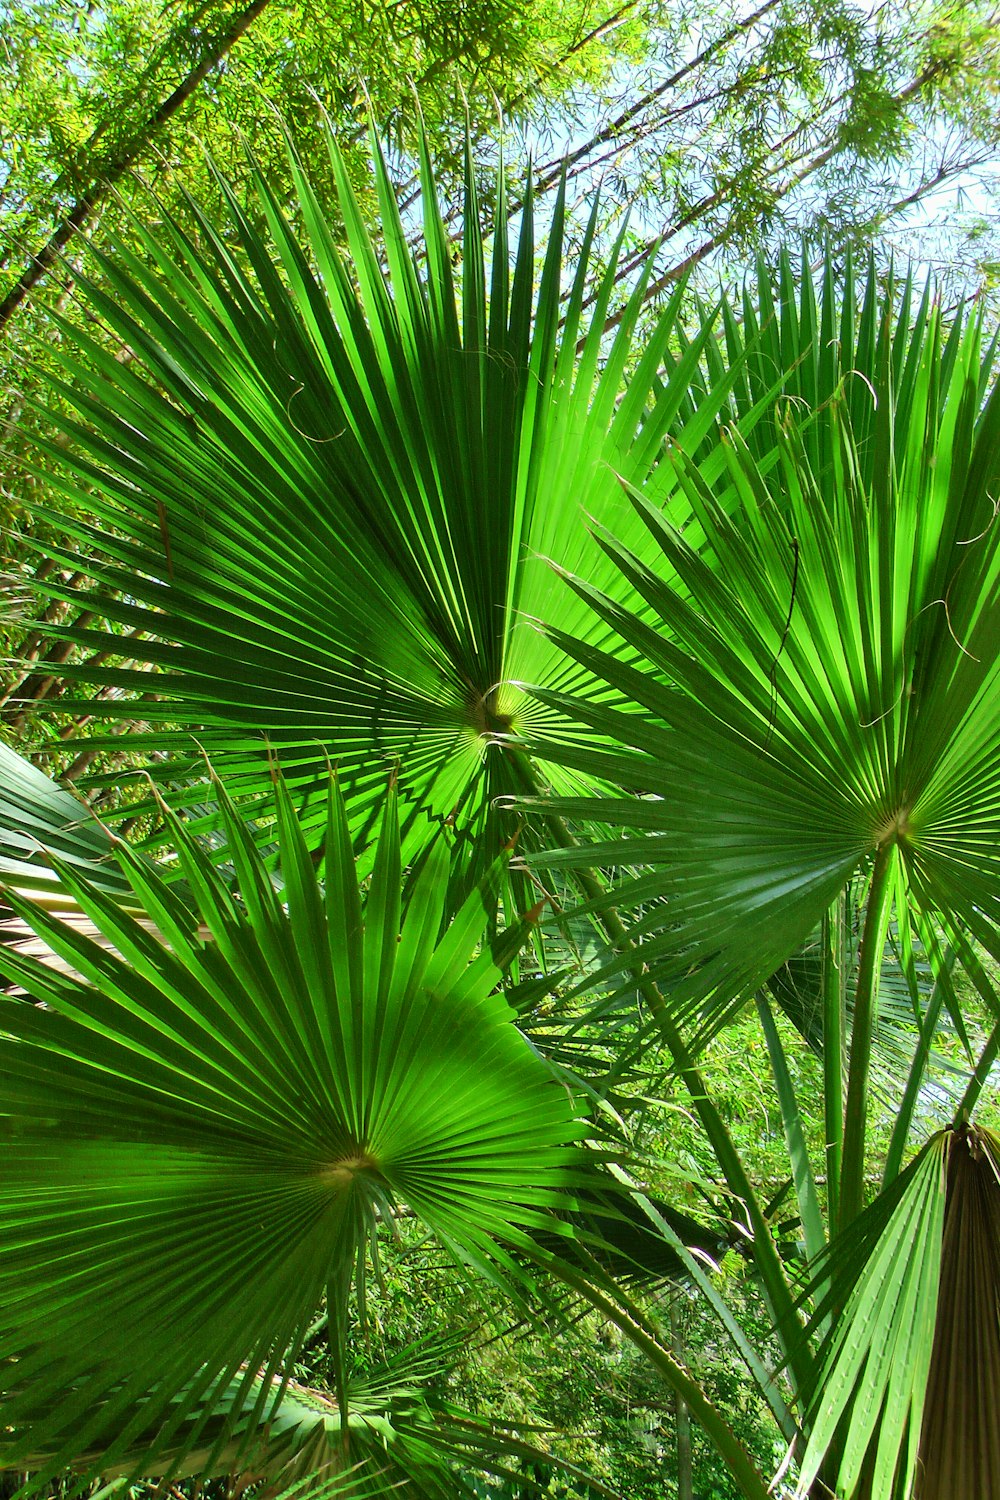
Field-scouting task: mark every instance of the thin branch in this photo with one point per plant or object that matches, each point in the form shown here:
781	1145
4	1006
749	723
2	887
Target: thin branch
84	207
550	174
705	205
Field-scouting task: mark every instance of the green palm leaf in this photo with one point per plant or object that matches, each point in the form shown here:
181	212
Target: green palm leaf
324	488
625	1235
838	343
873	1367
401	1436
818	688
38	818
200	1129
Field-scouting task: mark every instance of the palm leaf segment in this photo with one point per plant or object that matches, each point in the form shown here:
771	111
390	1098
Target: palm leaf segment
822	684
200	1130
324	490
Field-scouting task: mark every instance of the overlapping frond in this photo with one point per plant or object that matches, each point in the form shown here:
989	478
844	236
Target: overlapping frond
397	1434
842	343
820	684
38	817
908	1376
321	492
873	1367
200	1128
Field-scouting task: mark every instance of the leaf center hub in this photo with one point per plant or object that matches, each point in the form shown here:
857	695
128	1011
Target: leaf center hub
492	713
340	1175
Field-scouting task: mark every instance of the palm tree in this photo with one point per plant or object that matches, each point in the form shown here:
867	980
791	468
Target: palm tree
321	494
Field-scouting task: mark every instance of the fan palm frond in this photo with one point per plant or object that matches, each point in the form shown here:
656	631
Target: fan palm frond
817	693
201	1128
402	1436
910	1370
39	817
325	485
875	1361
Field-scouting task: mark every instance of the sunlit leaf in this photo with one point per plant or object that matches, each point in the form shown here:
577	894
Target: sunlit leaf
819	684
324	487
200	1127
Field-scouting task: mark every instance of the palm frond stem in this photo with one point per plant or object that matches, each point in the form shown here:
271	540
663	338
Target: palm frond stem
767	1259
869	956
834	999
